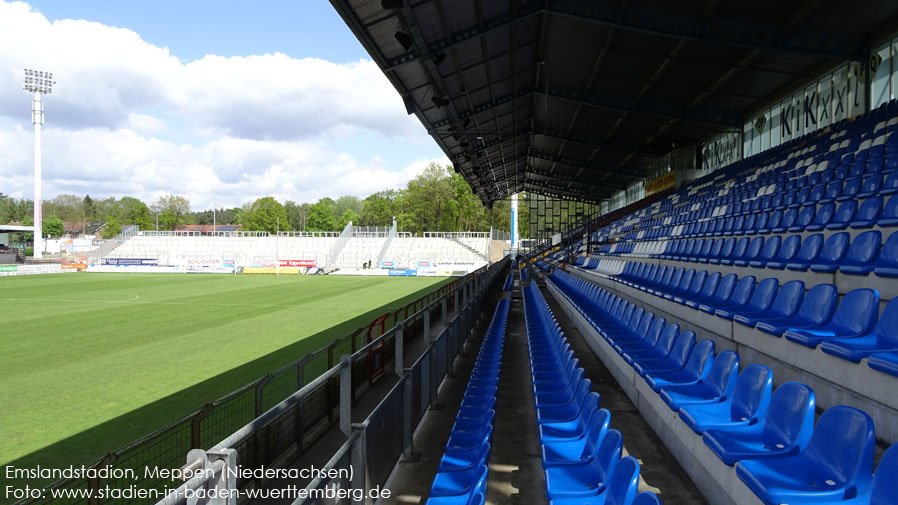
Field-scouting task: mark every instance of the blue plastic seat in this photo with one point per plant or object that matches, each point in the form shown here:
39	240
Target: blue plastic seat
474	496
580	450
850	190
808	253
648	341
805	217
862	255
843	216
675	359
889	215
725	251
886	362
770	250
708	288
816	309
784	430
621	489
890	185
721	295
695	369
718	384
786	304
774	221
662	347
868	213
577	428
738	251
751	252
837	463
457	483
761	297
833	190
823	217
887	263
746	406
834	250
883	338
459	461
856	316
871	185
789	218
785	253
589	478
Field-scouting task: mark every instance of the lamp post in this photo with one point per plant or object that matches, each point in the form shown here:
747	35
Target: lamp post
213	211
37	82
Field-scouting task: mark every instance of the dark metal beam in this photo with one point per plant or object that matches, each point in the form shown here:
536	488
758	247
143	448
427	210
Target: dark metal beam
560	192
614	145
586	165
577	179
662	23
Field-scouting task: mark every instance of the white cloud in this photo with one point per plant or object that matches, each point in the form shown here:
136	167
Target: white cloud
103	162
129	118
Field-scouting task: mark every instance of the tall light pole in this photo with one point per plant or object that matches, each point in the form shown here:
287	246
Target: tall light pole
213	210
37	82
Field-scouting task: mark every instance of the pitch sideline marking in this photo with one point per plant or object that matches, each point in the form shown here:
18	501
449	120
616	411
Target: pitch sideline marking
134	297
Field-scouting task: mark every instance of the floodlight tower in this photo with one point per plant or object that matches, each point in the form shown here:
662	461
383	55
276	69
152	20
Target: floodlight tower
37	82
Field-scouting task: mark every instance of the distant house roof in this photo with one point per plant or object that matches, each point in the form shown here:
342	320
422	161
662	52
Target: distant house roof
208	228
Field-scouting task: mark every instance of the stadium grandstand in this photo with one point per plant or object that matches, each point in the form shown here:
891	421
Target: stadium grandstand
705	312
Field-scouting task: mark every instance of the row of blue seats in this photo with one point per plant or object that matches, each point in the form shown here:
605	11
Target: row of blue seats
865	254
851	329
874	211
461	476
581	456
770	436
509	282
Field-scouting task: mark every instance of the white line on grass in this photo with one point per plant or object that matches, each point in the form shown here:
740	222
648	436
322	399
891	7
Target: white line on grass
78	300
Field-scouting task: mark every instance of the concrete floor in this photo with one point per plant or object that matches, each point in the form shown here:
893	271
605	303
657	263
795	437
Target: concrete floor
516	475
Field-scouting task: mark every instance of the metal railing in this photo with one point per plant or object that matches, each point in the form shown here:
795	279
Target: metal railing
374	446
456	234
298	402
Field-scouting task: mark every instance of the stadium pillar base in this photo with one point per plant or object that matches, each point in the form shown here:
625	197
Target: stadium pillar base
409	454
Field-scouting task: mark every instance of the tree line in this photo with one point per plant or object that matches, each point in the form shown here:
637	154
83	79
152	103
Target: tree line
436	200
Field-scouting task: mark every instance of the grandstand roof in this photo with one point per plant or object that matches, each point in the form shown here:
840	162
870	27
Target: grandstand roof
575	98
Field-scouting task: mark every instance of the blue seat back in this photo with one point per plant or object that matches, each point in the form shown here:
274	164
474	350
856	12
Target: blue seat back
835	248
885	485
890	209
706	248
648	498
790	416
739	249
635	318
686	280
865	248
845	212
857	312
666	339
810	248
870	209
806	216
682	349
752	394
872	183
789	218
825	214
886	329
764	294
697	282
654	331
724	372
742	291
607	454
715	248
623	483
725	288
789	248
727	248
710	285
771	247
700	359
754	248
676	277
819	304
844	442
788	299
776	217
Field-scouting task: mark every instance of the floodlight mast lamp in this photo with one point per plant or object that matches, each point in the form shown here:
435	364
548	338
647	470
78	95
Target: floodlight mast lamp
39	83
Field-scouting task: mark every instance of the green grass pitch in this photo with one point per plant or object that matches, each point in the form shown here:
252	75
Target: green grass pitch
91	362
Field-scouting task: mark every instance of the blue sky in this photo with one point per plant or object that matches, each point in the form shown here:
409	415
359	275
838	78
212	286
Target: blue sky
194	28
249	98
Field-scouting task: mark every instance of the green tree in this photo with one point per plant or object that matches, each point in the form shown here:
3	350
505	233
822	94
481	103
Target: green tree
378	209
347	217
321	216
66	206
424	201
88	209
130	210
296	214
265	214
173	211
112	228
52	226
352	203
